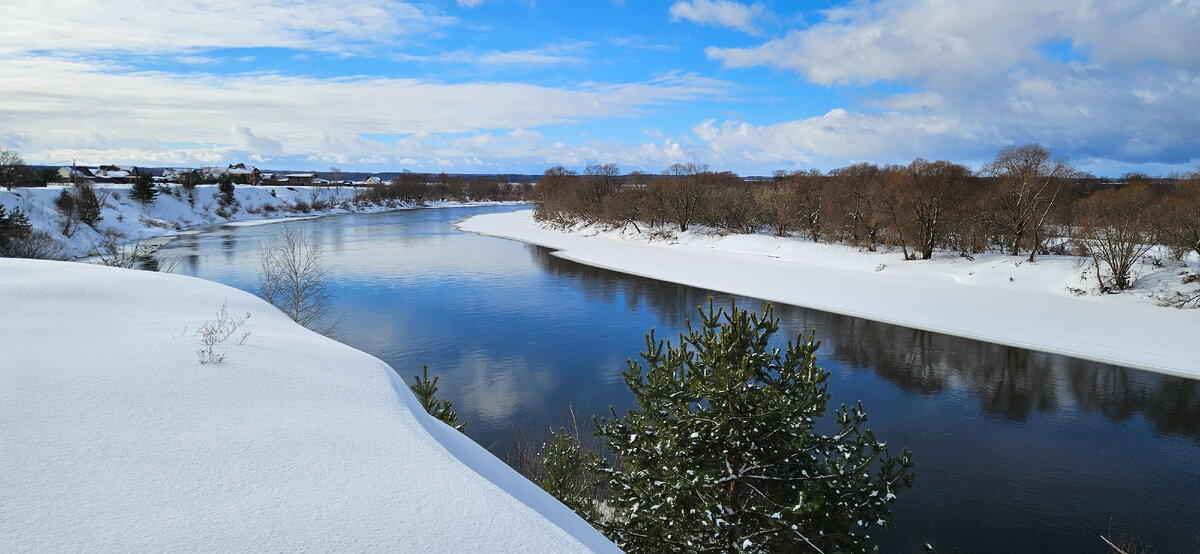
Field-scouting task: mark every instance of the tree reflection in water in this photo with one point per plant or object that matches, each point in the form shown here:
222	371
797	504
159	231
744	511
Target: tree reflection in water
1008	383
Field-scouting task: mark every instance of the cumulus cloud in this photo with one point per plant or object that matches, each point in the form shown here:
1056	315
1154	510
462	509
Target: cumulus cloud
297	117
940	40
1096	80
718	13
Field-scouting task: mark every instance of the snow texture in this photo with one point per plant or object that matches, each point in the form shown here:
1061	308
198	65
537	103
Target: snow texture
169	214
994	298
113	437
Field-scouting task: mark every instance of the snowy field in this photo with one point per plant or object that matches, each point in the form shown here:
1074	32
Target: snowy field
995	298
114	437
128	221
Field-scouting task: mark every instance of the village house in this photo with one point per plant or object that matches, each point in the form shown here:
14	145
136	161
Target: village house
301	179
73	173
243	175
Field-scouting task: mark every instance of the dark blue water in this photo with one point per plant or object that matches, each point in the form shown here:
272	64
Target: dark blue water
1016	451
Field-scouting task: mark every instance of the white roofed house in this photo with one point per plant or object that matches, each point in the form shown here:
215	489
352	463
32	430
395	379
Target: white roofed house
117	174
77	172
243	174
302	179
210	173
180	174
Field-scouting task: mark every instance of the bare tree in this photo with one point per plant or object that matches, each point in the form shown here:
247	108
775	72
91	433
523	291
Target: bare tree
293	277
858	193
553	198
680	192
1029	182
600	181
1118	228
808	200
1182	230
12	169
923	201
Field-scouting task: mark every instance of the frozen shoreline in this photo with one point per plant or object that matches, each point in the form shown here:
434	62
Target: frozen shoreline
169	215
124	441
992	298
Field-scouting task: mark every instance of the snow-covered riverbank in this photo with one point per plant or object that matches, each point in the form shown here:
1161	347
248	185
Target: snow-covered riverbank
993	297
114	437
125	220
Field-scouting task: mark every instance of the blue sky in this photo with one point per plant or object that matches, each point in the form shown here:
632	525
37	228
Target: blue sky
484	86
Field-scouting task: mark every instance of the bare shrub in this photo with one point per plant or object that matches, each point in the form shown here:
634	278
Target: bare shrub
38	245
293	278
219	330
1118	228
112	252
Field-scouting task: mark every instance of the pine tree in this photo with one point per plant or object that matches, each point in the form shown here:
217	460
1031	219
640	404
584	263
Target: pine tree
426	392
13	226
225	187
143	189
87	205
721	452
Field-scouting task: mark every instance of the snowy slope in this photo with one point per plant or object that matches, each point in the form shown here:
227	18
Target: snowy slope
113	437
131	221
994	298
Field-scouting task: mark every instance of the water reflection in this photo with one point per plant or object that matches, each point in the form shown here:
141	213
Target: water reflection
1009	383
1016	450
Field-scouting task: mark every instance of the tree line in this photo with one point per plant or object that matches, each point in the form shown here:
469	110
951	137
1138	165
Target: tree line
1025	202
414	188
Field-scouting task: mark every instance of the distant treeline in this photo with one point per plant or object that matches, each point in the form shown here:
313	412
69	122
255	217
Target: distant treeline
423	187
1025	202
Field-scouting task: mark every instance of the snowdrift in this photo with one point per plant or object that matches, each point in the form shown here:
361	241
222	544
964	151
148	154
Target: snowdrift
113	437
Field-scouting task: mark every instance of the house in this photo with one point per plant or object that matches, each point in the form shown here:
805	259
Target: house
73	173
372	180
301	179
209	173
117	173
243	175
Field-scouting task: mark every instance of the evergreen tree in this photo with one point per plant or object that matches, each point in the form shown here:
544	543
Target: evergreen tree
572	474
87	205
426	392
65	203
721	452
13	226
143	189
225	187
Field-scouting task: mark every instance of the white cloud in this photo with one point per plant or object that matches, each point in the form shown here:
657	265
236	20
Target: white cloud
551	55
146	26
290	117
718	13
1088	117
941	41
1094	80
838	135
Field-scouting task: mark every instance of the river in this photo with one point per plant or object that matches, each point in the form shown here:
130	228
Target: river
1016	451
